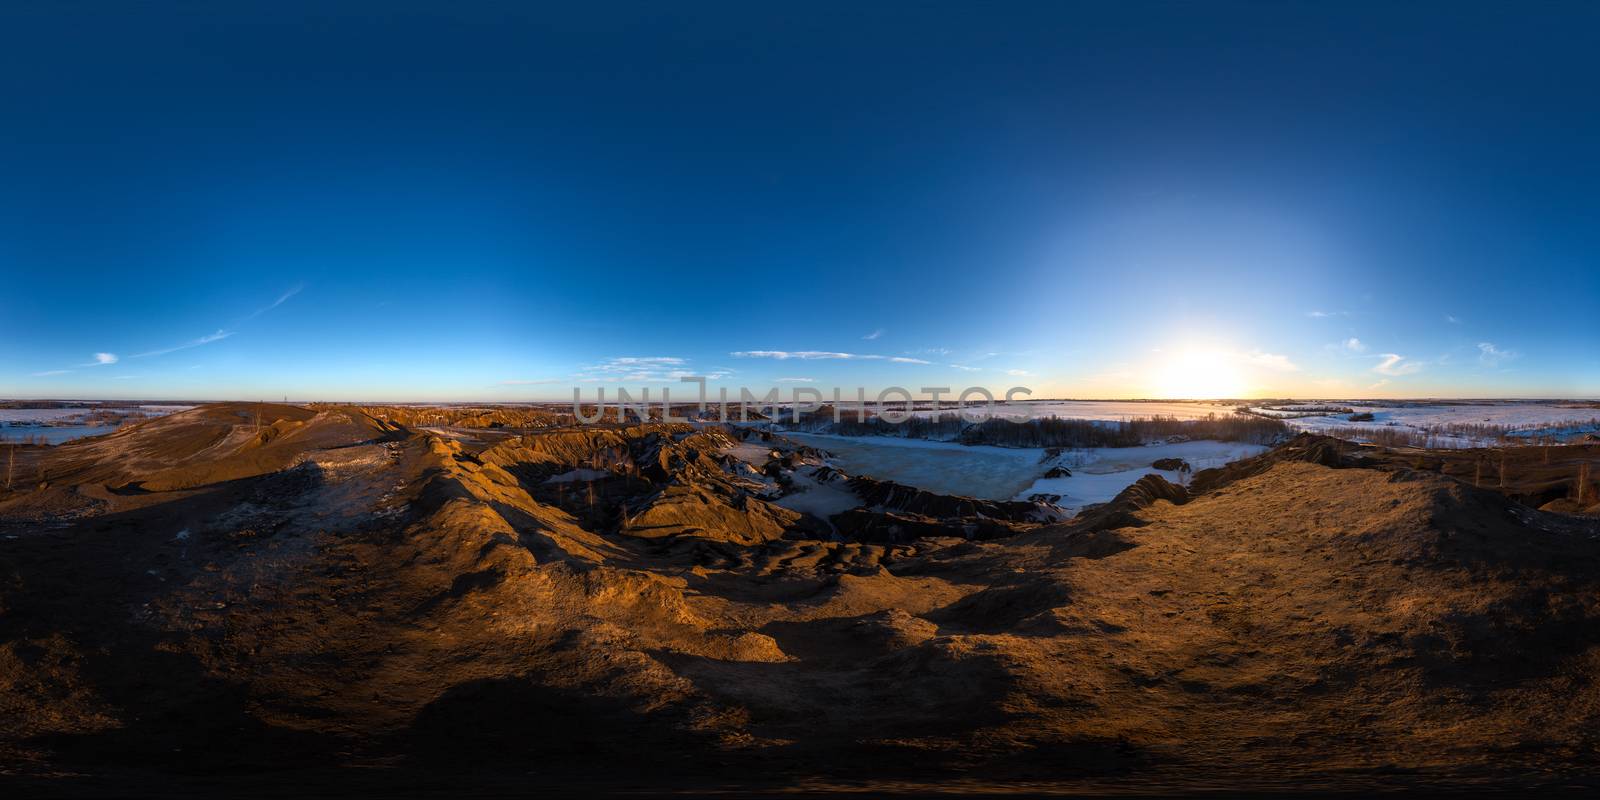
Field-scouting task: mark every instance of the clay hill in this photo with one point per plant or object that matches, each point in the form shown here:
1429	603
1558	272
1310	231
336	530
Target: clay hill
251	595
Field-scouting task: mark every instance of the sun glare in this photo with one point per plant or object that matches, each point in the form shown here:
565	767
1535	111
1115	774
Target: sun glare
1198	375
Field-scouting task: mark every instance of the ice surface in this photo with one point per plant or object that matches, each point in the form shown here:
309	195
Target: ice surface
1102	472
1005	473
816	497
55	425
991	473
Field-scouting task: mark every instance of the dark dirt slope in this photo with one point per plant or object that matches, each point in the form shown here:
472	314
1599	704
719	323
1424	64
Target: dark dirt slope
205	445
1296	625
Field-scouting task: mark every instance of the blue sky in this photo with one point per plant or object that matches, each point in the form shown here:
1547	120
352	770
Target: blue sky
417	202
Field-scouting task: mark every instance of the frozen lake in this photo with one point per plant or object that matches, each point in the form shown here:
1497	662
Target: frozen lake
991	473
57	425
52	434
1005	473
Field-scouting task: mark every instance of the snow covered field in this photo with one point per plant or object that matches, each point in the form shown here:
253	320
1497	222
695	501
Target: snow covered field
1005	473
35	416
1529	420
57	425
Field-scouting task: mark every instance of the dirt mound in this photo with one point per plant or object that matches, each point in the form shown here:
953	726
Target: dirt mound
699	512
893	496
206	445
381	607
1308	447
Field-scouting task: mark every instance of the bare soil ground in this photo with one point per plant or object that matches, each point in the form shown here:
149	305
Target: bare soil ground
268	598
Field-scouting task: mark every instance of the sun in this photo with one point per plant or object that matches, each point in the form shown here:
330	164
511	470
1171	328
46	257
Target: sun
1198	375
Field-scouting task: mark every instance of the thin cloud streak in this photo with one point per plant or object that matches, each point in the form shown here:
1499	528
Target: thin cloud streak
1395	365
283	298
1491	356
822	355
215	337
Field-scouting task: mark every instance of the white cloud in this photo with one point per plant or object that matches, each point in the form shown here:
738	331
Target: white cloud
1396	365
1019	373
1270	361
804	355
1452	319
218	336
51	372
821	355
1354	345
965	368
1379	384
654	369
794	380
875	334
102	359
1327	314
1491	356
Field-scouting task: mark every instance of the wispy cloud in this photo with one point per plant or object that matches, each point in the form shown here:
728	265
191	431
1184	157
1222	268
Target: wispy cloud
1354	345
215	337
1269	361
654	369
283	298
51	372
875	334
794	380
1452	319
1491	356
804	355
1395	365
822	355
1380	384
101	360
1020	373
965	368
1327	314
